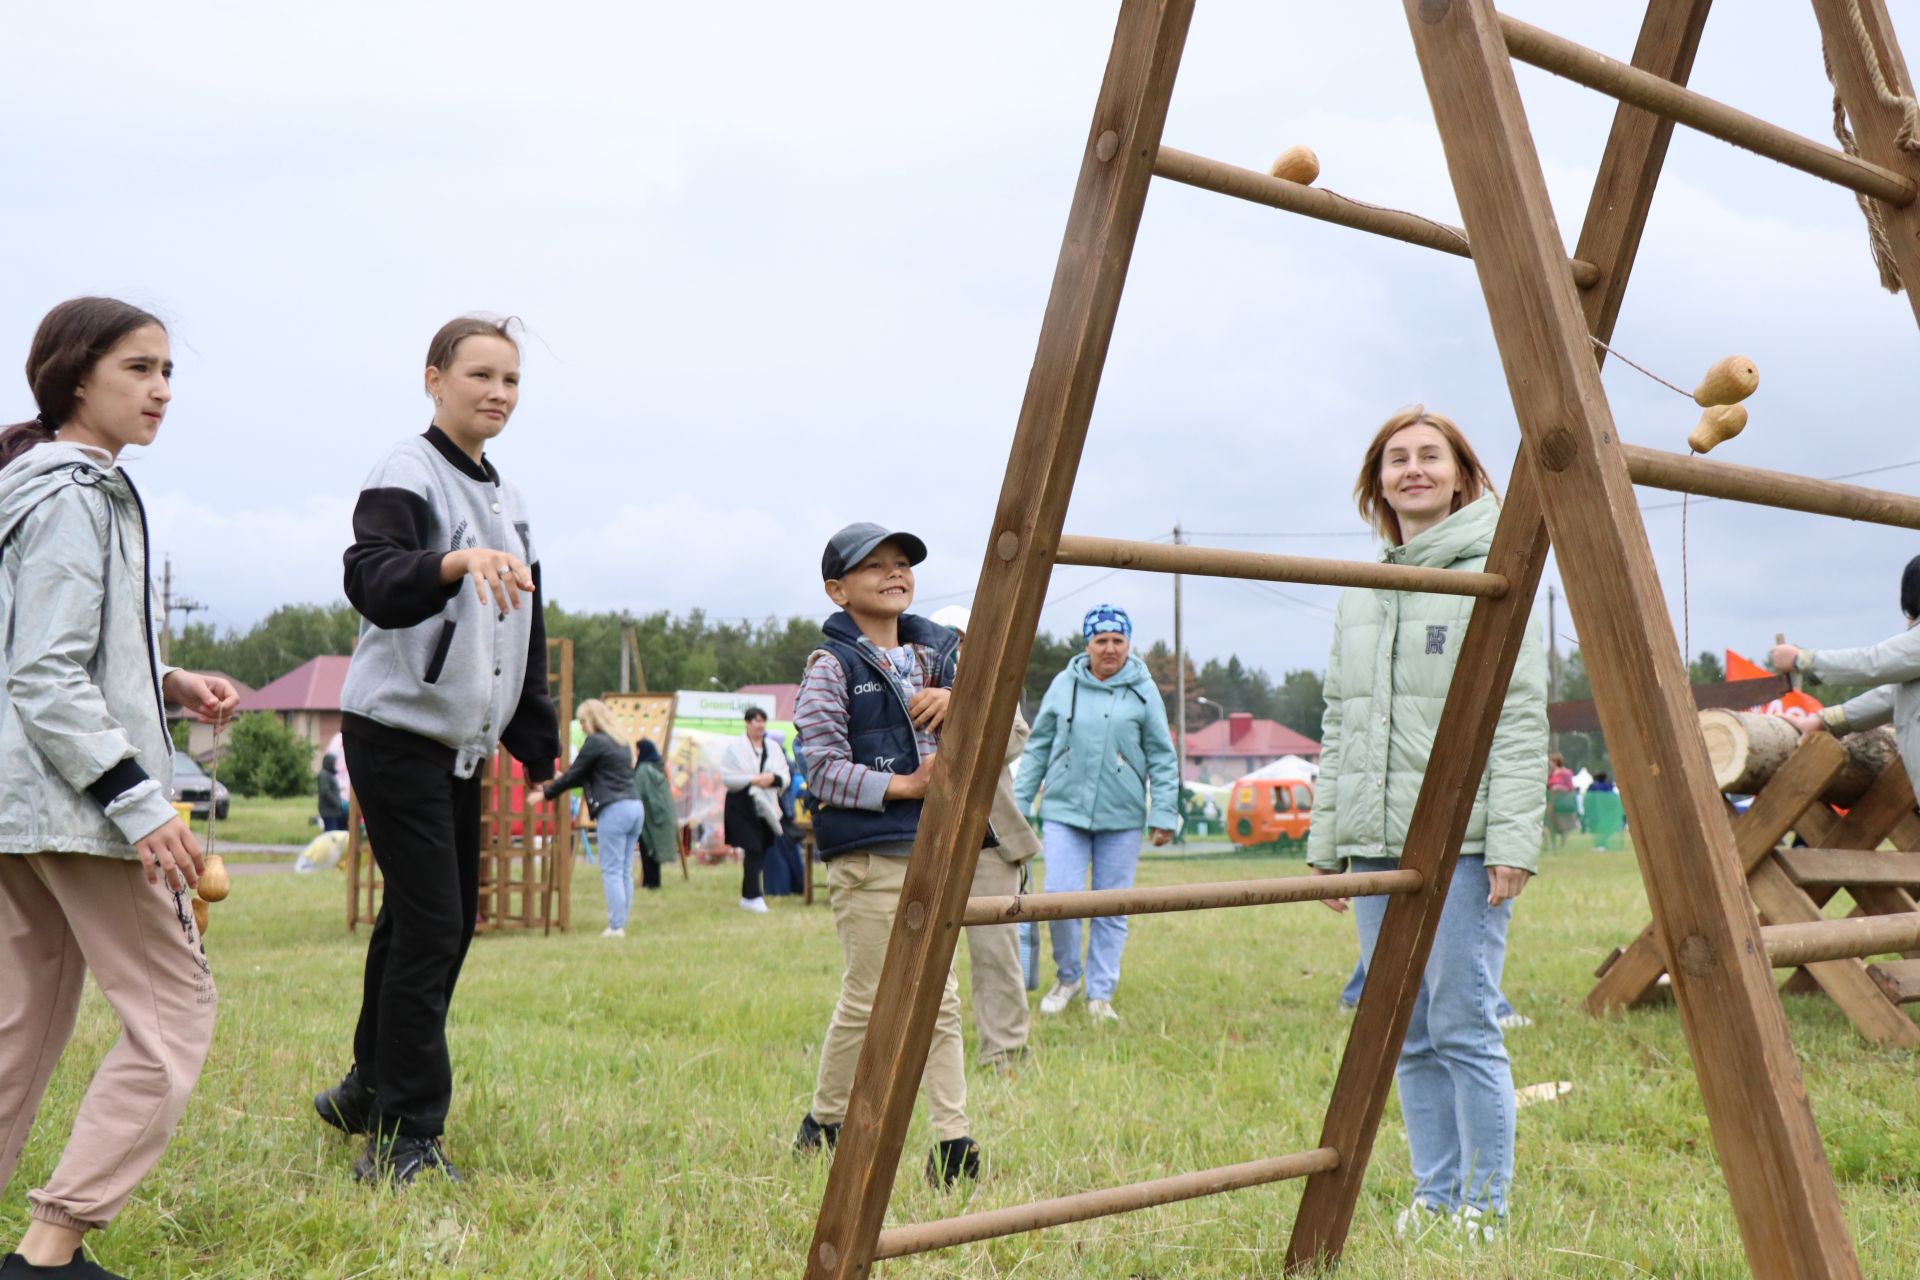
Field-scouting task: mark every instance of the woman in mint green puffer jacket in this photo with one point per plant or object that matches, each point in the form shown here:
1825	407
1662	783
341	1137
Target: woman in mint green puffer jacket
1393	658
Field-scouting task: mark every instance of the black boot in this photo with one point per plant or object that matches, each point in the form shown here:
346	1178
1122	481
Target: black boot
813	1135
15	1267
348	1106
952	1160
399	1159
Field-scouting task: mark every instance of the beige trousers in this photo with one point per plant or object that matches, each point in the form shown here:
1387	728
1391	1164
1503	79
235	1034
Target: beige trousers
61	916
1000	1012
864	890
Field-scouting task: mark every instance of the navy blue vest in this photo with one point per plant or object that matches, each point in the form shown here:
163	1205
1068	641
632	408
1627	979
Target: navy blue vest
878	731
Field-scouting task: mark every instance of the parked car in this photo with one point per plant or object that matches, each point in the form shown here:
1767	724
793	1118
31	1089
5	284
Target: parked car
1270	811
191	785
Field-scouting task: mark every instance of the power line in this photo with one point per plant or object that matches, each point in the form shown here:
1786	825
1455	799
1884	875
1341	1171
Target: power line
1264	589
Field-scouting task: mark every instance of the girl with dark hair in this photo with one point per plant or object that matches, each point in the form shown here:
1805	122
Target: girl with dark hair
1893	665
452	661
754	770
660	835
95	865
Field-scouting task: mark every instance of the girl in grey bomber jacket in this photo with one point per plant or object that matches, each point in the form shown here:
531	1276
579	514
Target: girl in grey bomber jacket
434	661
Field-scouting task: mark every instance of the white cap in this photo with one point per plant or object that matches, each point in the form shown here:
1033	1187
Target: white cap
954	617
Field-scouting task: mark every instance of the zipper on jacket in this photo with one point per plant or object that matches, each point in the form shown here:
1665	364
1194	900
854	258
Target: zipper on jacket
146	607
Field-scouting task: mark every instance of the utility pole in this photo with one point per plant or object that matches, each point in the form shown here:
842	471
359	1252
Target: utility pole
1553	660
169	605
1179	682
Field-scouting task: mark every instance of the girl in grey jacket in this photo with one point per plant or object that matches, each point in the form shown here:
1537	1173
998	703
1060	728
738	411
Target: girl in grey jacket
452	662
95	865
1893	666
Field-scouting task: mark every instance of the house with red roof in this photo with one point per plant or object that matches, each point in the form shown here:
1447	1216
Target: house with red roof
1236	746
307	699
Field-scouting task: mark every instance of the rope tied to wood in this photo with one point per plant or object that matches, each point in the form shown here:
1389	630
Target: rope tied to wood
1686	602
1906	137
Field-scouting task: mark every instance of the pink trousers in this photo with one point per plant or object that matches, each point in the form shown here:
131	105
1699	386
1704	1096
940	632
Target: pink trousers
62	915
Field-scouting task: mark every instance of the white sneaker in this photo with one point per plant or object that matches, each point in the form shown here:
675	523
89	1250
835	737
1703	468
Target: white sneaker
613	933
1473	1227
1060	997
1416	1220
1515	1021
1102	1011
756	905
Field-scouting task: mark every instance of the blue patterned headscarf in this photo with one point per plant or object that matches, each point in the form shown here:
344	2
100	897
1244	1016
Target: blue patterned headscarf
1106	617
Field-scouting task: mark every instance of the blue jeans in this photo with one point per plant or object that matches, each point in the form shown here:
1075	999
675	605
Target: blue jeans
1502	1007
1456	1085
1071	852
619	824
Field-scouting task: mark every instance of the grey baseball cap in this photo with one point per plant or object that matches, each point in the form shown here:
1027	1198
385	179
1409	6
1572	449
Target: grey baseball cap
847	548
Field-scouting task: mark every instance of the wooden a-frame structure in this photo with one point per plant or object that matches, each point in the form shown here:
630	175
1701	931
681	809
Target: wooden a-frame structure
1573	481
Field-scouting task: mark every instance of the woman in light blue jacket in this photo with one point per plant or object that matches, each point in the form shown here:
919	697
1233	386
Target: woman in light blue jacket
1104	764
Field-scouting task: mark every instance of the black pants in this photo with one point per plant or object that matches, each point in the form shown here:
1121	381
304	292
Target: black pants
424	827
649	871
747	833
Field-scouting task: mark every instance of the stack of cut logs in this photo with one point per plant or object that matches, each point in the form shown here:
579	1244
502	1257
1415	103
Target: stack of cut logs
1746	749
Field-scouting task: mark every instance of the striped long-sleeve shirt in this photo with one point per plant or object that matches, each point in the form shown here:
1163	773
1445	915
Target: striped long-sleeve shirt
820	717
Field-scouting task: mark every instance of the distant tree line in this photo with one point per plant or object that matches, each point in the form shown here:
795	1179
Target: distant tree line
693	651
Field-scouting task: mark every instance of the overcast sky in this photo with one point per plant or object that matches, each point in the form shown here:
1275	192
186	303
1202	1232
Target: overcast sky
783	266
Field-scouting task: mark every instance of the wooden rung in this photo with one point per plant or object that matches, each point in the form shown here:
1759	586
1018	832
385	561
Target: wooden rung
1258	566
1681	473
922	1237
1844	867
1664	98
1899	979
1327	206
1087	903
1791	945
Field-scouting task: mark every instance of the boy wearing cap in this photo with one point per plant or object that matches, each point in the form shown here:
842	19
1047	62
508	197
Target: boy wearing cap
869	715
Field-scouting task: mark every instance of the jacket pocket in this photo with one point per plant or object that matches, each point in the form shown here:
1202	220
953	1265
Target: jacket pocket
1128	765
438	661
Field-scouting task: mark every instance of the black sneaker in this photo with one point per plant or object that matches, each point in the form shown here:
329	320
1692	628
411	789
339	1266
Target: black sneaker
814	1135
952	1160
400	1159
348	1106
15	1267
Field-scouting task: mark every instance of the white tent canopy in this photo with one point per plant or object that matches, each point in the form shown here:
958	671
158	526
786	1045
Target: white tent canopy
1287	769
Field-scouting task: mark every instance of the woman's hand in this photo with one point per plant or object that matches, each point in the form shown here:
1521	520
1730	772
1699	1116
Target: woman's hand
1782	657
928	709
764	780
1331	904
208	699
171	851
1506	883
500	573
536	792
1162	836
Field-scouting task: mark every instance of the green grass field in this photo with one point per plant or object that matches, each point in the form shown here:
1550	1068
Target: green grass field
624	1108
261	820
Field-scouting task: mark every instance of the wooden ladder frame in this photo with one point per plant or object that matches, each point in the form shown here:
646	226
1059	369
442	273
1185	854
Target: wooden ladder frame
1573	480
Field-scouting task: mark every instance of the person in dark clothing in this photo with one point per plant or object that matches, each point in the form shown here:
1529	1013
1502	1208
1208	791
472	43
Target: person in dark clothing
605	771
452	661
755	772
660	834
333	810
